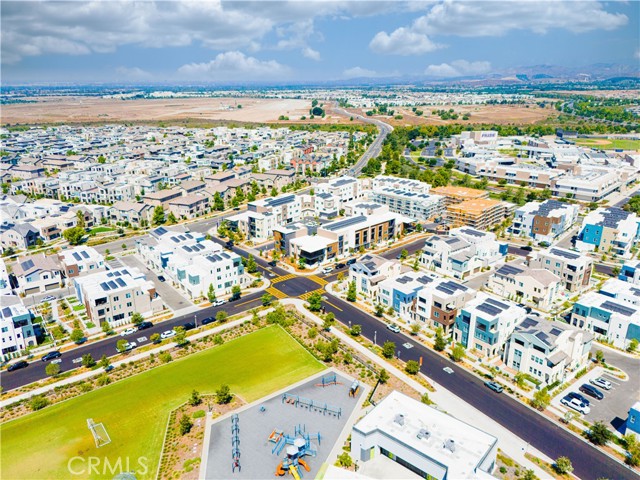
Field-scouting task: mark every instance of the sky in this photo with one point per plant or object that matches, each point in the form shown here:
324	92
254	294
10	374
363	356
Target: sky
306	41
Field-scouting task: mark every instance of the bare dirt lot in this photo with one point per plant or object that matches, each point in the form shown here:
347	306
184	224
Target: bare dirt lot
95	109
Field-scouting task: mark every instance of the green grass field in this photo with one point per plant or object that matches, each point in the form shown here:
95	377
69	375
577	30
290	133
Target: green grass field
611	144
101	230
135	411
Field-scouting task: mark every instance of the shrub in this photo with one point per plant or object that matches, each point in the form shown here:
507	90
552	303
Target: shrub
195	398
88	361
185	425
563	465
199	414
458	353
541	399
224	395
165	357
103	380
52	369
312	333
599	434
383	376
356	330
38	402
218	340
344	460
581	372
412	367
388	349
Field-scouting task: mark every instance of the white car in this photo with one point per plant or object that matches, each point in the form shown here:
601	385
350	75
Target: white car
128	347
601	382
128	331
48	298
576	405
393	327
327	269
167	334
217	303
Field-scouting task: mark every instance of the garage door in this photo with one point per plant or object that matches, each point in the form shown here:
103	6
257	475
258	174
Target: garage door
30	291
53	286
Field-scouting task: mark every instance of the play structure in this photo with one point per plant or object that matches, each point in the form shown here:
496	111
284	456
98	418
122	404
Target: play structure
99	433
298	446
319	407
328	380
353	390
235	443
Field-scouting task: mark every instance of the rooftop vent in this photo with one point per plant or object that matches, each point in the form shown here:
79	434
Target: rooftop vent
399	419
450	445
423	433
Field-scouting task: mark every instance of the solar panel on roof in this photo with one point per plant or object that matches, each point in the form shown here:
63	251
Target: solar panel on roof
84	254
188	235
76	256
444	289
496	303
508	270
6	312
424	280
105	286
555	331
160	231
488	309
528	323
120	282
175	239
614	307
473	233
26	265
112	284
345	223
186	248
564	253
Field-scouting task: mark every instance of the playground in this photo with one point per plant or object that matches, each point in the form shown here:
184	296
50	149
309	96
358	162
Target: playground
289	434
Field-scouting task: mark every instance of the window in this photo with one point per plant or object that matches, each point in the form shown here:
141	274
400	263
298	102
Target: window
128	295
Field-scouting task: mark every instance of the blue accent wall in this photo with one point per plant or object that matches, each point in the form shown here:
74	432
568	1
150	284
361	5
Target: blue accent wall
592	234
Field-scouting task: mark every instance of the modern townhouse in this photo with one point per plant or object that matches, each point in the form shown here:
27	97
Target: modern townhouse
544	221
534	286
485	324
18	235
401	292
419	206
438	303
369	271
16	329
283	234
37	274
546	350
346	189
26	172
189	206
630	272
609	230
136	214
262	216
481	213
80	260
161	198
573	268
397	183
323	205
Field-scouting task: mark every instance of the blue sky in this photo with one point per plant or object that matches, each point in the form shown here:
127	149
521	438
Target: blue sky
112	41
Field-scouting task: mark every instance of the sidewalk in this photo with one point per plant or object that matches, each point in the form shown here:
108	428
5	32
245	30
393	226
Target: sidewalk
509	443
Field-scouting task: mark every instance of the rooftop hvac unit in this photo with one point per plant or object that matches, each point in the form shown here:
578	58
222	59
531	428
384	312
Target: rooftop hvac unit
424	433
399	419
450	445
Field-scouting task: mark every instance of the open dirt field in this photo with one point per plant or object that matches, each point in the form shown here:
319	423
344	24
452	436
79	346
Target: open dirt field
500	114
94	109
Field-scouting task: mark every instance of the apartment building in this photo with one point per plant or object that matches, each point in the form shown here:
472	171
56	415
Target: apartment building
113	296
438	303
397	183
346	189
609	230
16	330
37	274
161	198
547	350
189	206
401	292
283	234
630	272
481	214
485	323
426	442
369	271
544	221
453	195
418	206
534	286
573	268
80	260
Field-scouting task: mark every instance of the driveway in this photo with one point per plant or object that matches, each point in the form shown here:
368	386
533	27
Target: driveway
171	297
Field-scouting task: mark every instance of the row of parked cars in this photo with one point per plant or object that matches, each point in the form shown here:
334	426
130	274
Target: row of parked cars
579	402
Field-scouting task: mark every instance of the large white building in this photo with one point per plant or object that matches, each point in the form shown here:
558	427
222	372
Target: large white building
427	442
262	216
346	189
418	206
16	331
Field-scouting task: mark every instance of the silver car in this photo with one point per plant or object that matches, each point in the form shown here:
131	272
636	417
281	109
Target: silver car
601	382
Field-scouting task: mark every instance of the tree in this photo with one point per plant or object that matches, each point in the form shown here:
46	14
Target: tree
52	369
404	254
266	299
106	328
329	321
633	345
412	367
302	263
600	356
379	311
185	425
315	302
224	395
383	376
158	215
458	353
155	338
599	434
211	293
195	398
352	294
388	349
88	361
218	202
440	343
104	362
529	475
563	465
38	402
541	399
137	319
252	267
415	329
344	459
416	265
76	335
80	217
221	316
181	335
520	379
171	218
356	330
121	345
236	291
74	235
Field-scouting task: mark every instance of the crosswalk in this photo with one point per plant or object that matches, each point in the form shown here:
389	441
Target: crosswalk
276	293
305	296
283	278
318	280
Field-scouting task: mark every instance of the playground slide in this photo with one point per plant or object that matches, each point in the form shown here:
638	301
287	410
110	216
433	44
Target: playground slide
304	464
279	470
294	472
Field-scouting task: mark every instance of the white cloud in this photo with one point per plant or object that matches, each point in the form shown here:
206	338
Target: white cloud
359	72
402	41
309	52
234	65
133	73
458	68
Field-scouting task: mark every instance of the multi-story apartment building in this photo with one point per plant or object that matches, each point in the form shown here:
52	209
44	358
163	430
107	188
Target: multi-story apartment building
547	350
534	286
610	230
397	183
573	268
189	206
262	216
369	271
438	303
16	330
544	222
136	214
346	189
113	296
453	195
630	272
80	261
485	323
37	274
481	213
401	292
419	206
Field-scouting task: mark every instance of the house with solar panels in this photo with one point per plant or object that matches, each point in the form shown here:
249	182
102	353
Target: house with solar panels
262	216
16	330
438	303
485	323
401	292
548	351
37	274
369	271
534	286
80	260
609	230
113	296
572	267
544	221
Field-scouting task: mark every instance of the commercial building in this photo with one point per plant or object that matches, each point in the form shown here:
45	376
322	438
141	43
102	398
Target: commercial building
610	230
80	260
573	268
485	323
534	286
544	222
114	296
401	292
16	329
481	213
37	274
427	442
590	185
438	303
369	271
547	350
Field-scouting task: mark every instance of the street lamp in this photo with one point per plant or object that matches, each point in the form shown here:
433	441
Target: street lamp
195	320
375	333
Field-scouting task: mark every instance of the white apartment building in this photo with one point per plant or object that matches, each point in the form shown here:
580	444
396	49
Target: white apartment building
37	274
369	271
437	303
346	189
396	183
547	350
16	329
80	260
573	268
591	185
261	216
609	230
401	292
485	323
113	296
544	221
418	206
534	286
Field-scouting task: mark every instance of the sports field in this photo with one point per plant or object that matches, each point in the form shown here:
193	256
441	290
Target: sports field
135	411
609	144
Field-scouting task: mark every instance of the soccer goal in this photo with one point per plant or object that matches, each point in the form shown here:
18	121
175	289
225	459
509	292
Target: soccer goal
99	433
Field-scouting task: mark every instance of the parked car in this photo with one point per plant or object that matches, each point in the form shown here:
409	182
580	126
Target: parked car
144	325
128	331
17	366
579	397
495	386
161	278
273	263
327	269
351	261
167	334
189	326
591	390
128	347
48	298
393	327
217	303
601	382
50	356
229	245
527	248
575	404
208	320
339	266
